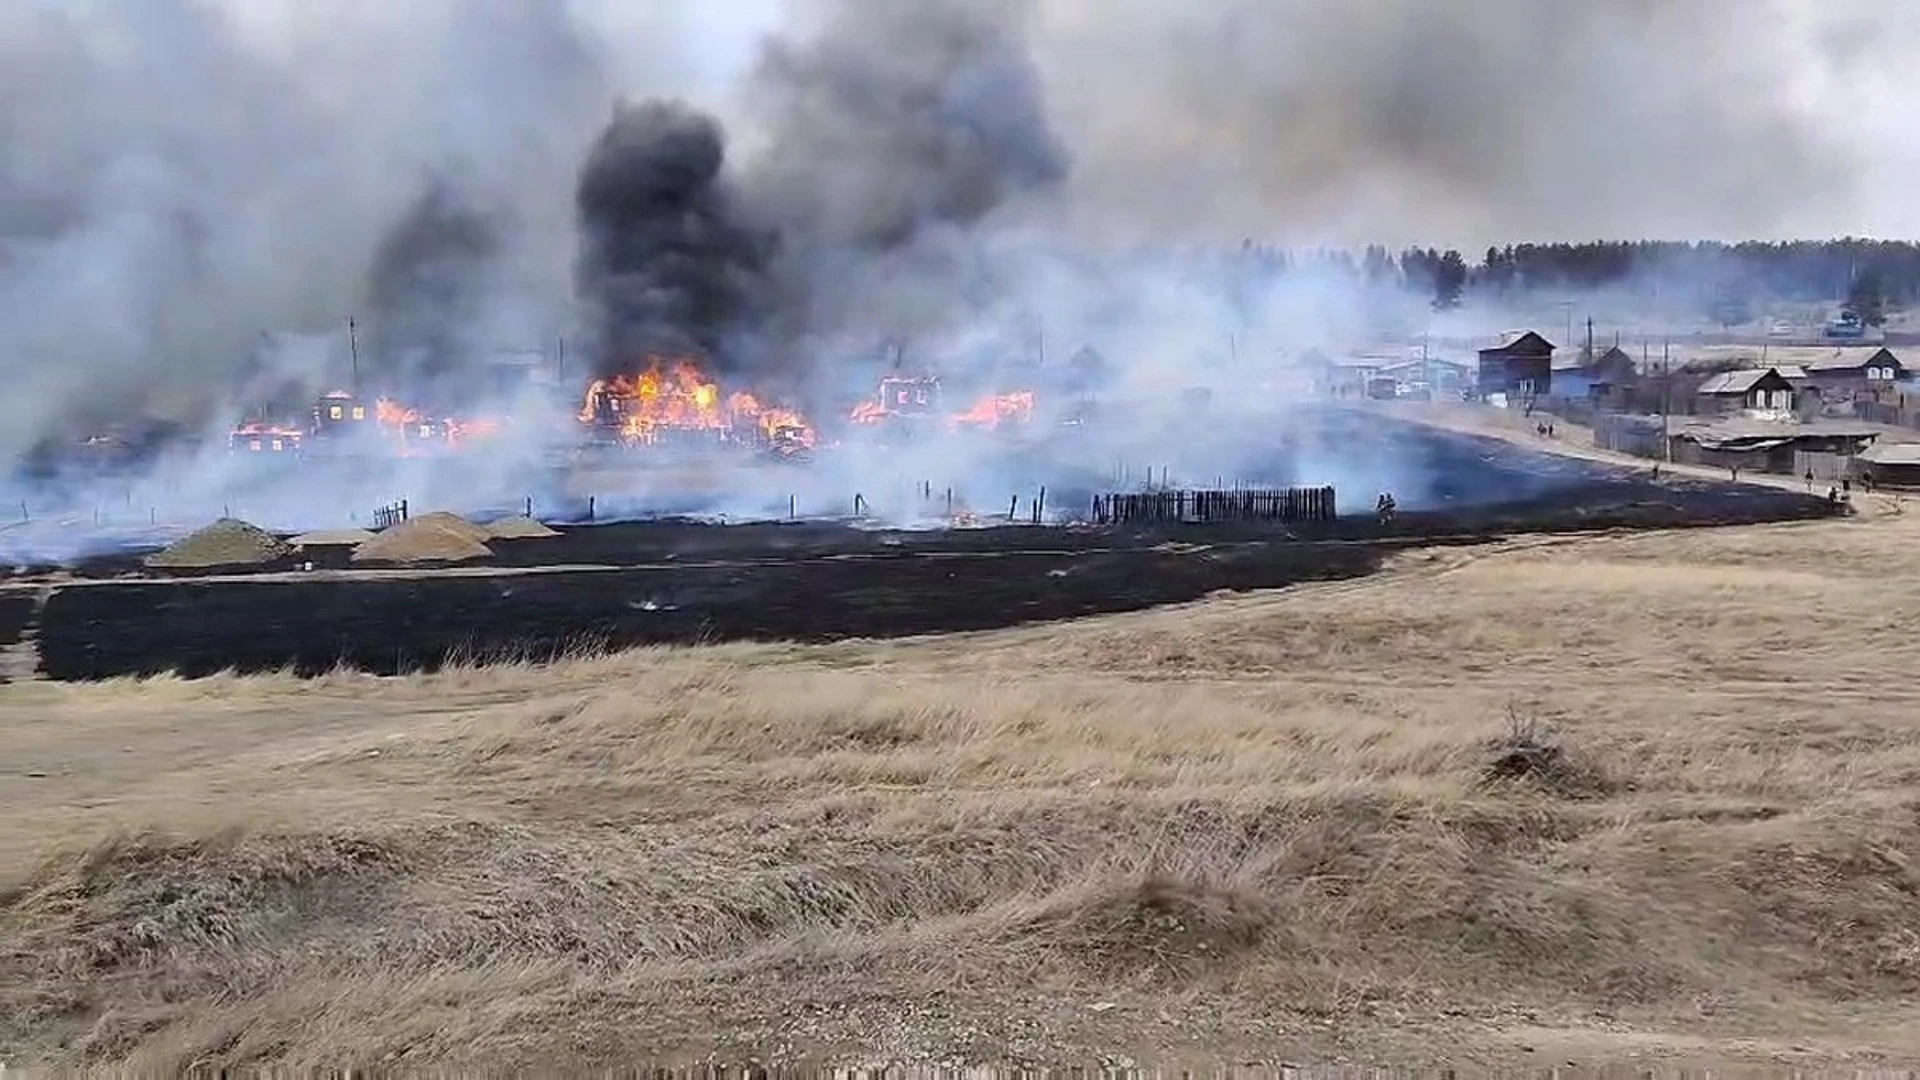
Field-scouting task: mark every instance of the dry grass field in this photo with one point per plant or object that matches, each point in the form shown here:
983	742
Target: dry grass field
1583	799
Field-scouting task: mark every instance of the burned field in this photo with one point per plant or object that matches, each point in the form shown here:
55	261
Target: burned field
681	581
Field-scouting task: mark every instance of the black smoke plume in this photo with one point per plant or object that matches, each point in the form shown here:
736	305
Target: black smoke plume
893	136
666	263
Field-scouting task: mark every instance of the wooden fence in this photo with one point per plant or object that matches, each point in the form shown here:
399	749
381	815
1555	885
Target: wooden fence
1285	505
390	515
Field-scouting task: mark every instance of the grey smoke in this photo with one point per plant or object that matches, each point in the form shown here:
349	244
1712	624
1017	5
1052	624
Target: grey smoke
1476	122
894	119
431	279
175	182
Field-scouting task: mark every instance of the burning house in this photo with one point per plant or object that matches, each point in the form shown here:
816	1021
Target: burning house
909	405
674	403
900	398
343	423
259	438
340	413
993	411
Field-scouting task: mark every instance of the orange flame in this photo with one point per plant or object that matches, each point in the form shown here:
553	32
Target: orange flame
674	394
393	414
995	409
459	431
260	436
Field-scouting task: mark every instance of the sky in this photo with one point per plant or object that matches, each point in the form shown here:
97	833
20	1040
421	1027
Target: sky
1450	122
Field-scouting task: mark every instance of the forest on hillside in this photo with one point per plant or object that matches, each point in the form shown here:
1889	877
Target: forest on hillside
1728	282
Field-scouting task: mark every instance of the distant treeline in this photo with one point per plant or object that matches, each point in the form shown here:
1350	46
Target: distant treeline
1726	278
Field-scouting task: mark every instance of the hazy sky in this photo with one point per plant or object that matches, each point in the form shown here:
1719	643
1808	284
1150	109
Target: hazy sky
1445	121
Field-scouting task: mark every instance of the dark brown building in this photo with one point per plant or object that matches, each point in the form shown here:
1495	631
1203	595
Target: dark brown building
1522	368
1857	369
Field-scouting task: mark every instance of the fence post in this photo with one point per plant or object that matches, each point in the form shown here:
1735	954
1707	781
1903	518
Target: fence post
590	507
1013	507
403	509
529	506
1039	504
792	507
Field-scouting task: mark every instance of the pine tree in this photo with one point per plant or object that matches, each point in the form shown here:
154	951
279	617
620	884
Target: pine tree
1449	279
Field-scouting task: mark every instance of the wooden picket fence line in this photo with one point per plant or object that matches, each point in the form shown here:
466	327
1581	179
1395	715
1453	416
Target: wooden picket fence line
1277	505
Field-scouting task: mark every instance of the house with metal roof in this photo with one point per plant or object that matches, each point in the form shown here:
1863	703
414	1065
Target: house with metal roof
1746	390
1763	445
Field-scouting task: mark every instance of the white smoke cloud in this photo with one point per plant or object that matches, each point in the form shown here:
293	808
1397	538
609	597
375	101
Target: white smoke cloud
180	177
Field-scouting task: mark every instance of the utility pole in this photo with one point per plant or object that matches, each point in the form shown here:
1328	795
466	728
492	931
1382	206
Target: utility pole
1589	339
353	350
1666	401
560	364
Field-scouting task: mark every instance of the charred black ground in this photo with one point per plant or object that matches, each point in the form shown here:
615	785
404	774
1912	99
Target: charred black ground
683	581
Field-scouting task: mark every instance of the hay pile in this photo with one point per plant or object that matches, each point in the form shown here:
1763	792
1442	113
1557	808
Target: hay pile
429	539
332	538
448	521
518	527
227	542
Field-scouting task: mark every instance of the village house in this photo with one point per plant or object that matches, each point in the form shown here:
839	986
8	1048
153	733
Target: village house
1594	378
1519	369
1857	369
1746	390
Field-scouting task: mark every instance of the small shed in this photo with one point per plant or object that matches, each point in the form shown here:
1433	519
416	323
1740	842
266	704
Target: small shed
1889	465
1768	445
